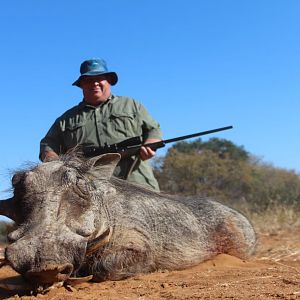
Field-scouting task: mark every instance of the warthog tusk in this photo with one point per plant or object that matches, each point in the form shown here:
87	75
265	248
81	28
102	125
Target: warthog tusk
99	241
77	280
55	285
67	284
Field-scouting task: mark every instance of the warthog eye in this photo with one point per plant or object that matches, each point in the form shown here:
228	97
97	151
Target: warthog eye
79	183
81	187
69	177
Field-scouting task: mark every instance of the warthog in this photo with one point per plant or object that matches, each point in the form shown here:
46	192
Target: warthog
75	219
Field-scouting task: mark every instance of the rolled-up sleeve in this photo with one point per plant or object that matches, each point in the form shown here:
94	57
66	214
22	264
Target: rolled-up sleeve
151	128
52	140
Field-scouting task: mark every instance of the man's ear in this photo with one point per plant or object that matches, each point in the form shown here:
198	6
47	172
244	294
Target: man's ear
103	166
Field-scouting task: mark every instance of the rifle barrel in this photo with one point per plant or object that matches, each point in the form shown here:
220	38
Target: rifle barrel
196	134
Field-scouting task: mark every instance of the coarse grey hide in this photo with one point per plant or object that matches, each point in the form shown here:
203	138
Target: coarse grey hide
74	220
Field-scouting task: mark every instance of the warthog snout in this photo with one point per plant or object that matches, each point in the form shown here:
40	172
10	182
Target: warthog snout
50	273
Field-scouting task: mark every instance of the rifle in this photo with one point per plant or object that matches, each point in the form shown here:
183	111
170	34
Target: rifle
133	145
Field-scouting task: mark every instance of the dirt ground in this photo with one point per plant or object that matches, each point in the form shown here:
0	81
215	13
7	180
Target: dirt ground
273	273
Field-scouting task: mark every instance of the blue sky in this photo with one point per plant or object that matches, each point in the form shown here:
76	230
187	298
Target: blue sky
196	65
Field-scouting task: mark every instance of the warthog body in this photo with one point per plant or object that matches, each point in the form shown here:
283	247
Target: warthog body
76	220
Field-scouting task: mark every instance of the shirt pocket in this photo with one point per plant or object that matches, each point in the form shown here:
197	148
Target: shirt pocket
74	134
124	124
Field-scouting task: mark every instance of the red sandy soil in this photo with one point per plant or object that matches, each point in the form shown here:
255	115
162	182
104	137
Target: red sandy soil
272	273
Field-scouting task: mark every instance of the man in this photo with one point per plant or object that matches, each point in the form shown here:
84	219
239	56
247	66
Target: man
104	119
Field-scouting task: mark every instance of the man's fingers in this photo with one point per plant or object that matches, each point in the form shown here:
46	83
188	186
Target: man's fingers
146	153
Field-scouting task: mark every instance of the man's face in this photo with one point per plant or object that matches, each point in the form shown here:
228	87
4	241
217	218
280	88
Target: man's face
96	89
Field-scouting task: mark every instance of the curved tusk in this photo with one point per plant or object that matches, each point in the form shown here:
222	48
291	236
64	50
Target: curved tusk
55	285
99	242
77	280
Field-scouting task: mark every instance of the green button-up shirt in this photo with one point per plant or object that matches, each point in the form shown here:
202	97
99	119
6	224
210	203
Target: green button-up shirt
113	121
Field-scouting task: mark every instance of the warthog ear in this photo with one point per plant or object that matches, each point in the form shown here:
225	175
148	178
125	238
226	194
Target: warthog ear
104	165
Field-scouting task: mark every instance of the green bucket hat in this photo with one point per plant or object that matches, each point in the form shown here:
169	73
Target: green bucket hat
94	67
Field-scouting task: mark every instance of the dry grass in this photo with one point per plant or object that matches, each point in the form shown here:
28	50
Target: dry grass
273	219
278	230
276	218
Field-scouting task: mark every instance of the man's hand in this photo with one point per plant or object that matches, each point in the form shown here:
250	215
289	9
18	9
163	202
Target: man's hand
48	156
147	152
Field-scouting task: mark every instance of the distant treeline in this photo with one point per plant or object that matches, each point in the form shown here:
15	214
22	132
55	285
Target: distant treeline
218	168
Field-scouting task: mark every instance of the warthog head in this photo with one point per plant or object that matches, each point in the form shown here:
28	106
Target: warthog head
59	220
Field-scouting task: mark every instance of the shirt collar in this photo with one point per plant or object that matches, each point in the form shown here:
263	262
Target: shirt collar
110	99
